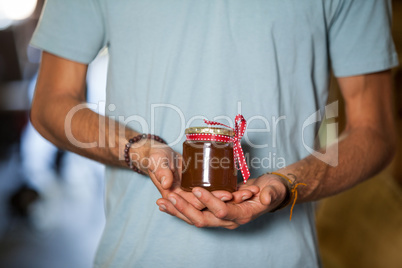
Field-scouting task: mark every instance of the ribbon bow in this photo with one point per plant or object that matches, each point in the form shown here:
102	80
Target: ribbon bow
240	128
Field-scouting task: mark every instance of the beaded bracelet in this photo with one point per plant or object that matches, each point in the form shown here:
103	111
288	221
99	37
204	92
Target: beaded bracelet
291	191
131	142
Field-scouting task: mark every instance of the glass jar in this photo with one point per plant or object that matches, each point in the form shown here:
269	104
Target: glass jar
208	159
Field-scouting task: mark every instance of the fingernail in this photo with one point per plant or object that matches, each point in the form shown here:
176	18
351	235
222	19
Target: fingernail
225	199
163	178
197	194
244	197
173	200
163	207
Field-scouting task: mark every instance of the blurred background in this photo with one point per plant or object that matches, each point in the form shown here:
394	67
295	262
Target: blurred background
51	201
362	227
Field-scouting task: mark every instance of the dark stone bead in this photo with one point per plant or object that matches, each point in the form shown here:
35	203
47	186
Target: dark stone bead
128	145
126	150
130	140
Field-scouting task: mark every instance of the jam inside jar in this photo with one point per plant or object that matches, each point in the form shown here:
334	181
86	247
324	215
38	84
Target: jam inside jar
208	162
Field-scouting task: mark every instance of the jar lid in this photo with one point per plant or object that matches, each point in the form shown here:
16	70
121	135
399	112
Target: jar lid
210	130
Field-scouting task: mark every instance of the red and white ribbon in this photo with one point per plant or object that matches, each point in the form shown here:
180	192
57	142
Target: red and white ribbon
240	128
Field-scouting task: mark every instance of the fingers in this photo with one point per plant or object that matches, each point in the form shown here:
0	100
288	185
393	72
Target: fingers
250	201
215	205
220	209
271	197
245	193
190	198
252	187
167	206
218	214
266	195
222	195
179	207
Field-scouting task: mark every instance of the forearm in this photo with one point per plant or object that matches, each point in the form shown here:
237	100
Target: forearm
361	153
66	123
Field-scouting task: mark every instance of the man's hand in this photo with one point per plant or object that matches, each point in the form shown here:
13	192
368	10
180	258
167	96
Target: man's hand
269	192
165	169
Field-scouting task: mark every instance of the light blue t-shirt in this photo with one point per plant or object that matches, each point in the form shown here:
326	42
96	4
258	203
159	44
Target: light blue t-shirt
173	63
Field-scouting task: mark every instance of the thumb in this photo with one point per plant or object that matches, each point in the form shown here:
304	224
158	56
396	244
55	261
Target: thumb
267	195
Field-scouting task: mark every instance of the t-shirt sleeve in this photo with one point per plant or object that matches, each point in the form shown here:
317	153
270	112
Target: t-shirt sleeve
359	37
72	29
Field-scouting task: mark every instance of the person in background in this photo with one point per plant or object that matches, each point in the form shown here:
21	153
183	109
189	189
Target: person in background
173	63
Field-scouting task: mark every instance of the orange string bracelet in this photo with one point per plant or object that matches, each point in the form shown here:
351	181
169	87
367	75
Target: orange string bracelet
293	189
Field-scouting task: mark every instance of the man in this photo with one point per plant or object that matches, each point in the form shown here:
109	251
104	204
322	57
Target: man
173	63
